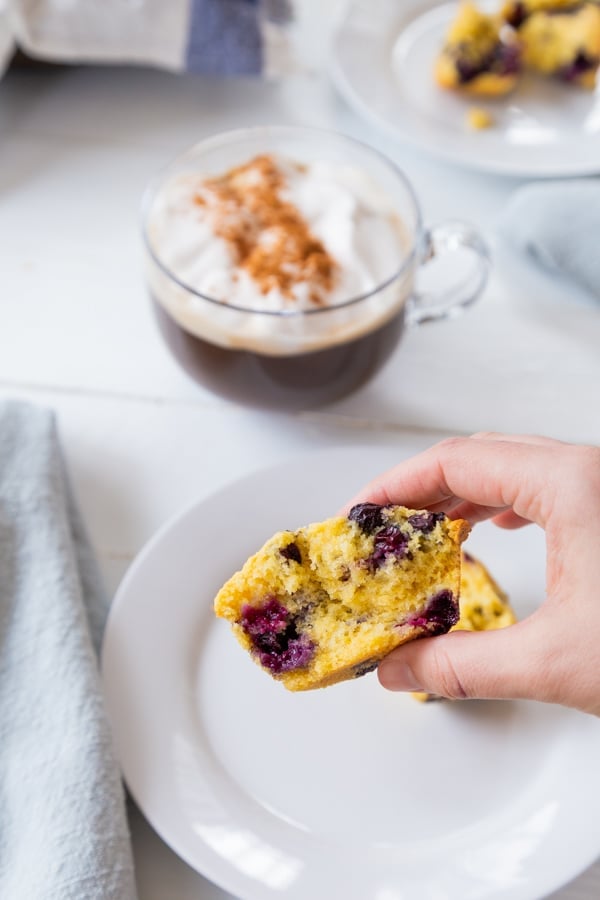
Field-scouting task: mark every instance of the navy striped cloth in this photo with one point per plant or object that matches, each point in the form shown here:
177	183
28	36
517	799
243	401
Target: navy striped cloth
226	36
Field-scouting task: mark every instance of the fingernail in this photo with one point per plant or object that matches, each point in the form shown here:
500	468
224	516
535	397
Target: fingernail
397	676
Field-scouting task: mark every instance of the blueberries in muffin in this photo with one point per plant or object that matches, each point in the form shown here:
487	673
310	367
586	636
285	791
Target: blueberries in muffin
468	69
517	14
275	638
441	614
292	651
292	552
501	60
390	541
368	516
581	64
271	617
425	521
344	574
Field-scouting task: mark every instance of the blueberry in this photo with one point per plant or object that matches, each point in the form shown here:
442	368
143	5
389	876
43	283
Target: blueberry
344	575
502	59
275	638
368	516
507	59
517	15
425	521
440	615
467	70
295	654
390	541
582	63
292	552
270	618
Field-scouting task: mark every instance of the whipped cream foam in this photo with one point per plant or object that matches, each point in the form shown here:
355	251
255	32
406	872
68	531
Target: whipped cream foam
275	236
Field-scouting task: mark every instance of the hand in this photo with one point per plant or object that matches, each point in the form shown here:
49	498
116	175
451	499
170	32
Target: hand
554	654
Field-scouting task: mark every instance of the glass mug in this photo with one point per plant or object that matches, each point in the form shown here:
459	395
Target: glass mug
297	359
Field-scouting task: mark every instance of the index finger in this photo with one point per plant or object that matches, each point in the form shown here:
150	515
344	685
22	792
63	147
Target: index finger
493	474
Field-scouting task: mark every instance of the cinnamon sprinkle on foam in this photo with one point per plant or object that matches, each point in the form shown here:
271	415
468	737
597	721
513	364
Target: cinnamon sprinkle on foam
266	233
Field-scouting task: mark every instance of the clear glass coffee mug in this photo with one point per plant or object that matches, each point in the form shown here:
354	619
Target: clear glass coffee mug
301	359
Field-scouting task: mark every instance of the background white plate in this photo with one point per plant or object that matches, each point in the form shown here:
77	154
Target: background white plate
351	792
383	54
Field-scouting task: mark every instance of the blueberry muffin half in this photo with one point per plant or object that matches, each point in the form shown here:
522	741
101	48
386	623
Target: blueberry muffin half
327	602
477	57
563	43
483	604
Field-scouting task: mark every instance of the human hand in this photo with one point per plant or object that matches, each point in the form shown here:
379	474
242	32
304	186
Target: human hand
554	654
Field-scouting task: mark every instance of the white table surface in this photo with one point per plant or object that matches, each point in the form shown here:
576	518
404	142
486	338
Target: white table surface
141	440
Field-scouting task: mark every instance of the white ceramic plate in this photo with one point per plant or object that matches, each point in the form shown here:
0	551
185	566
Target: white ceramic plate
383	53
350	792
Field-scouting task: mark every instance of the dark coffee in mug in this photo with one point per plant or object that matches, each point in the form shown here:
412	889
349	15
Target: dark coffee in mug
292	383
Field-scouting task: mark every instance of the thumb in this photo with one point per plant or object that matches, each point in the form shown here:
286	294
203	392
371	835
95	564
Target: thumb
511	662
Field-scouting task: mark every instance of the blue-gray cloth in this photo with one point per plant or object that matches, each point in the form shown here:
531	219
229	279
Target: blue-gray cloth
63	827
225	37
557	224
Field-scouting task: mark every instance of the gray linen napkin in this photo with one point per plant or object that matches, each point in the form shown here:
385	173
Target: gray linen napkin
63	828
557	224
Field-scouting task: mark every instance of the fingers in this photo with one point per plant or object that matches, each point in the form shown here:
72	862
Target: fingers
386	489
491	475
508	663
474	513
510	520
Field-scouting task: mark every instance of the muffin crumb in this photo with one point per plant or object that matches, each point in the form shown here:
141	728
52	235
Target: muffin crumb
479	119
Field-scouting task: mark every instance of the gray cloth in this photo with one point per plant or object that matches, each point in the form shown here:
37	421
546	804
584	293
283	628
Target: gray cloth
557	224
63	827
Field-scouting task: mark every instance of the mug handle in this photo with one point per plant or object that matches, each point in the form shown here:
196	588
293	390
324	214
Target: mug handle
438	240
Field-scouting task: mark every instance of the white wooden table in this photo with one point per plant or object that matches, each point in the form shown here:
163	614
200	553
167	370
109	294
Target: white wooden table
77	332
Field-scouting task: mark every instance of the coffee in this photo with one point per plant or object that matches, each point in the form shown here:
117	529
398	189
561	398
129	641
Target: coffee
290	383
282	261
276	281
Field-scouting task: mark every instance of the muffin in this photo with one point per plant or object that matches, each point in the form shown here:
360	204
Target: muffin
564	44
483	604
479	119
327	602
476	57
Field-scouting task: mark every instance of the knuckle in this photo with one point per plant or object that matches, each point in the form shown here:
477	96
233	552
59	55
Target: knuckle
446	678
588	460
486	435
450	444
582	471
